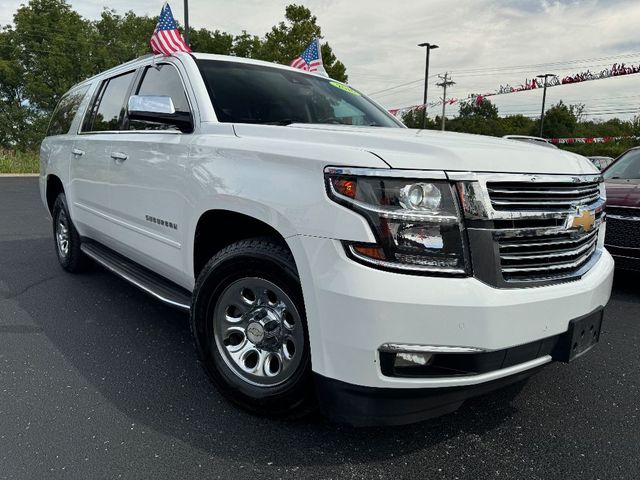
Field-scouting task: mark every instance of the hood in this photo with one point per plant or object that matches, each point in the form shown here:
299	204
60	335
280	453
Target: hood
404	148
623	192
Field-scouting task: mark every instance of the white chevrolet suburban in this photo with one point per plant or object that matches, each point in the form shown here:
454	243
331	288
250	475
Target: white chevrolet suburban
327	255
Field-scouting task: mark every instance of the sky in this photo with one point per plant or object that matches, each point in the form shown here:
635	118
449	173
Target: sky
483	44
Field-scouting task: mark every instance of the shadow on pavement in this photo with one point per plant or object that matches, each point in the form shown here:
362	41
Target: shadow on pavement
138	355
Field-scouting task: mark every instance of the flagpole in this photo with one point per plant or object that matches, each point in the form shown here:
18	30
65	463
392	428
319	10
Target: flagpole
186	22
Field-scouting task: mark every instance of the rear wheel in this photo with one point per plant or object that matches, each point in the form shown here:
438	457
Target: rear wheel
67	240
249	327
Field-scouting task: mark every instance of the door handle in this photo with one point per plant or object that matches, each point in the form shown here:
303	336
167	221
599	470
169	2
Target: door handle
77	153
119	156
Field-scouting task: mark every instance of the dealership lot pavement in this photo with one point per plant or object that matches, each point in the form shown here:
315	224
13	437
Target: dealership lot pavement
97	380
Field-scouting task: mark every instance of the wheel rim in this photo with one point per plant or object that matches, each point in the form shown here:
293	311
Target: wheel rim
62	234
258	332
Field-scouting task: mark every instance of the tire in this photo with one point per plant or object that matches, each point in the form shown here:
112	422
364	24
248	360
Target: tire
66	239
249	326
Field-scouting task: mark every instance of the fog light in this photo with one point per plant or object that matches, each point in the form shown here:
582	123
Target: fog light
411	359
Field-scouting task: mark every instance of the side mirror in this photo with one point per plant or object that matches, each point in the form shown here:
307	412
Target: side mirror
158	109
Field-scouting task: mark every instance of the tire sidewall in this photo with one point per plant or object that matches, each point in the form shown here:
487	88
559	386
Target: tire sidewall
59	206
214	279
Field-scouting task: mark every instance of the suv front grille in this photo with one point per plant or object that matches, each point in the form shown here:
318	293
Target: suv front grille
517	196
541	229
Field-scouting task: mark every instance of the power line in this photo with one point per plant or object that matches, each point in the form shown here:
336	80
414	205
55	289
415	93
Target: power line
517	68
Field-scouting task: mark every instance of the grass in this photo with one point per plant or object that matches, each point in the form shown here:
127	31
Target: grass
19	162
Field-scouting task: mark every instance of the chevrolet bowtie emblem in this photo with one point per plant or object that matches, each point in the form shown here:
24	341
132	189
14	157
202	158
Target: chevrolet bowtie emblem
584	220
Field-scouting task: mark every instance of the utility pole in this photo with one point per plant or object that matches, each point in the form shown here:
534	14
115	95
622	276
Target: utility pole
544	98
186	22
429	47
446	82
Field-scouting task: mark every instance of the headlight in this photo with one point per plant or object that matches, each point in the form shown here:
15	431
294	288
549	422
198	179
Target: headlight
416	222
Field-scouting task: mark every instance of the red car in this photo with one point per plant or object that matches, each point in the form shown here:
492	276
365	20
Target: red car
623	210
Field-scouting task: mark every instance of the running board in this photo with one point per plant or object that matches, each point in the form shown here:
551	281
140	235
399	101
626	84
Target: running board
139	276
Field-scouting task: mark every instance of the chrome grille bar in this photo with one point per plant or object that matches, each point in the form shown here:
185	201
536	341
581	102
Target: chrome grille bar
547	255
556	266
544	242
548	196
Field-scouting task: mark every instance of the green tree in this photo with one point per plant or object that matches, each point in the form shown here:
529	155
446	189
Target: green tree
483	109
247	46
53	44
517	125
289	38
206	41
116	39
413	119
559	122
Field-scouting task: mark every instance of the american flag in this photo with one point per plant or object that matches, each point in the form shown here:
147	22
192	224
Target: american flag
166	38
310	59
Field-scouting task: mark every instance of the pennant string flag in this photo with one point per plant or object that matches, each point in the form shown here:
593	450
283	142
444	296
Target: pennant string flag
310	60
618	69
166	38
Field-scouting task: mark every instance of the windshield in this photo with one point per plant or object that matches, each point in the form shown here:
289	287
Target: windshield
627	166
245	93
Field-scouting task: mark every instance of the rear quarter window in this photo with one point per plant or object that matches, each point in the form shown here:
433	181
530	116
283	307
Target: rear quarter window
66	111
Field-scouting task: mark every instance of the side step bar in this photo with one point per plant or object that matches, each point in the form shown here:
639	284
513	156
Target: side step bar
139	276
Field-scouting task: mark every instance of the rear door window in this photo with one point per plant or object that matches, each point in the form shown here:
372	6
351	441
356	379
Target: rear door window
108	110
66	111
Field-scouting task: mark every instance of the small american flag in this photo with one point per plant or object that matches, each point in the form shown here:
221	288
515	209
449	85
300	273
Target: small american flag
310	59
166	38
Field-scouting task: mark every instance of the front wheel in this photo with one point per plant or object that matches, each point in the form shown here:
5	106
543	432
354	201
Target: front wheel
249	326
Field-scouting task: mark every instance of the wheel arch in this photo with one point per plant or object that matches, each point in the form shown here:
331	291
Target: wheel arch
53	189
218	228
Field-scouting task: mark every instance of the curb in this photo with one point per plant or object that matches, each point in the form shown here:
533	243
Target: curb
9	175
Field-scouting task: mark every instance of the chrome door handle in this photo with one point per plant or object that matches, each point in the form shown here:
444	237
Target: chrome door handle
77	153
119	156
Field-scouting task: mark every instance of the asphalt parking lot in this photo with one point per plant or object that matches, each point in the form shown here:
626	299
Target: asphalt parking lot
98	380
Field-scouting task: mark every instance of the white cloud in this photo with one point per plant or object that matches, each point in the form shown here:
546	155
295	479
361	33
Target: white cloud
377	41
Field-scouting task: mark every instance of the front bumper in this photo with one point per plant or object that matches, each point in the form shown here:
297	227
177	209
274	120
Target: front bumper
366	406
472	374
353	309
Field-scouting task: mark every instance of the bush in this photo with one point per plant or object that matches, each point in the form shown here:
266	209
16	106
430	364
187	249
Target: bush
19	162
608	149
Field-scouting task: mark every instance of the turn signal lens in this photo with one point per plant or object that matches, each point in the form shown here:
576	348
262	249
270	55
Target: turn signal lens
371	252
345	187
